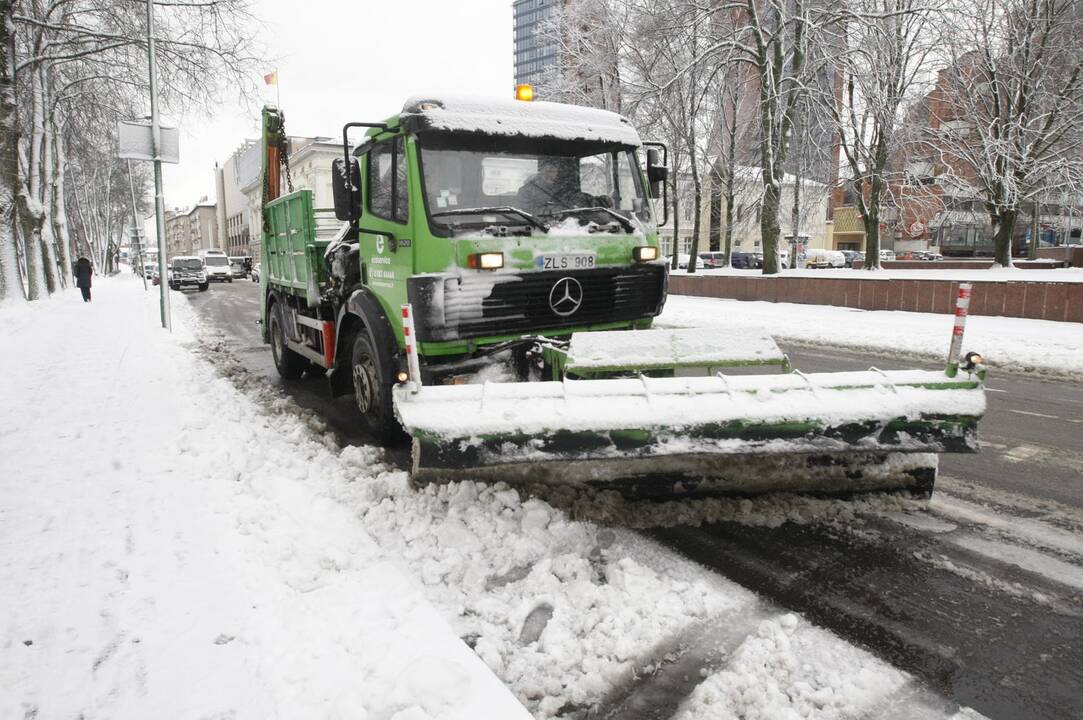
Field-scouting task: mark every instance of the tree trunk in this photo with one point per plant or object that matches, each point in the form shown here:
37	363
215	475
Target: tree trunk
729	221
11	285
697	208
29	218
60	215
769	225
48	236
1003	228
870	218
1035	229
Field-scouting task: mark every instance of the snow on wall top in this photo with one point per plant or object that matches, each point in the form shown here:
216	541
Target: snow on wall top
500	116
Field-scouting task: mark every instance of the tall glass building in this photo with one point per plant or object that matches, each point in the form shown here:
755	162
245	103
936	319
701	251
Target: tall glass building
533	54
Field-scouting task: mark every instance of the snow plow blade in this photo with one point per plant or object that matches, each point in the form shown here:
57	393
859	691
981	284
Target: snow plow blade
832	433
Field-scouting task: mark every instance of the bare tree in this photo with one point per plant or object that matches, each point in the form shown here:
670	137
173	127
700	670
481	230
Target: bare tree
87	58
888	44
591	37
675	65
1006	110
775	38
11	284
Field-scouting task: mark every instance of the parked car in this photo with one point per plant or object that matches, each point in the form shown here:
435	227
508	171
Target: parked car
852	255
682	260
747	260
818	258
255	273
712	260
887	255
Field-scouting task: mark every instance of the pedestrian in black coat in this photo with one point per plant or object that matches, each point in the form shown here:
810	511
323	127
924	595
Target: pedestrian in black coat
83	272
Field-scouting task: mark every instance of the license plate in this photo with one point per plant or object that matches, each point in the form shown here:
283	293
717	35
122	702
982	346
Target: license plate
565	261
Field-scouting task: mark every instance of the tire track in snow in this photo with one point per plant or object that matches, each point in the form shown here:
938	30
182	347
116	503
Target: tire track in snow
881	586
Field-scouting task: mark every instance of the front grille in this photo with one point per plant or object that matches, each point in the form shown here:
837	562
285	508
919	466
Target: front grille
497	303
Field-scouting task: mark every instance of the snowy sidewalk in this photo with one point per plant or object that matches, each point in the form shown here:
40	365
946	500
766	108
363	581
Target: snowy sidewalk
1039	346
169	551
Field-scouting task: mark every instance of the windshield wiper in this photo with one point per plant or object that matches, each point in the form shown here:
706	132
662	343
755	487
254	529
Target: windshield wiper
625	222
504	210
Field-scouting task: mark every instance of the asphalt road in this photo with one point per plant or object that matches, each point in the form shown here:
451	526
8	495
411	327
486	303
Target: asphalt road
979	594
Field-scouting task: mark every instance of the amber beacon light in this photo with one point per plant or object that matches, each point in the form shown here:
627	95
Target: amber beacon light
524	92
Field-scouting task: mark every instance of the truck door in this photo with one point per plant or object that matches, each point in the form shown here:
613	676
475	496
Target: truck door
384	229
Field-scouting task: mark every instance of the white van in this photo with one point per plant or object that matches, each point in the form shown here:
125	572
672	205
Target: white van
217	264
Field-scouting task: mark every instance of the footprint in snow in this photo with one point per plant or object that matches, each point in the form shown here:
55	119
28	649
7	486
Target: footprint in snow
535	623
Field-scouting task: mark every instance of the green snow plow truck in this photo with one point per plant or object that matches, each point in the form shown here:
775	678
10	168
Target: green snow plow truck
486	283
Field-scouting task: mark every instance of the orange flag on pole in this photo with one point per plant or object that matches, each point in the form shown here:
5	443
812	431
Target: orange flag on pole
271	78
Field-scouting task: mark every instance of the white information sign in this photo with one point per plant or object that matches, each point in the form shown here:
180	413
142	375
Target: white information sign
135	143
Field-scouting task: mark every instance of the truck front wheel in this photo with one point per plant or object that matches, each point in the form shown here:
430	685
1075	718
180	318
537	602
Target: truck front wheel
372	389
289	364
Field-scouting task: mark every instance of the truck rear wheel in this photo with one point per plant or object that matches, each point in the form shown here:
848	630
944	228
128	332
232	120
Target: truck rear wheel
372	389
289	364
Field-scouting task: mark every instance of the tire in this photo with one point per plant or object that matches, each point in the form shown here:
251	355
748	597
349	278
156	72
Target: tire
372	383
230	280
204	286
289	364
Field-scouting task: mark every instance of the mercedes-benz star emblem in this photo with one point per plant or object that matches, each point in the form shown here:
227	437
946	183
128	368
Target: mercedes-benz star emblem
566	296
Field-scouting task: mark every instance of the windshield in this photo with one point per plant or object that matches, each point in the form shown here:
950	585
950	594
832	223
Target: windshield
217	260
508	180
187	264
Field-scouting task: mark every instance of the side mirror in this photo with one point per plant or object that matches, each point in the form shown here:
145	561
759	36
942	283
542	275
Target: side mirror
657	173
346	184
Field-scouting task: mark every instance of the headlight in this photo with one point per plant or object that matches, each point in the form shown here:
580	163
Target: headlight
645	253
486	260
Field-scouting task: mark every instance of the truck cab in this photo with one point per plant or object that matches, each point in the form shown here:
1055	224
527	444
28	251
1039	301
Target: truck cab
495	221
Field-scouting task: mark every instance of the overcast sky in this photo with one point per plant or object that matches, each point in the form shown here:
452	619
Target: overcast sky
343	60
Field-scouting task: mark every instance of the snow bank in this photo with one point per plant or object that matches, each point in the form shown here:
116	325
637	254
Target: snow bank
170	550
782	672
1016	343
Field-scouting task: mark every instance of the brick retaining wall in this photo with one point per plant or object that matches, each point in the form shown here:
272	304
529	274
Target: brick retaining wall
1072	255
1037	300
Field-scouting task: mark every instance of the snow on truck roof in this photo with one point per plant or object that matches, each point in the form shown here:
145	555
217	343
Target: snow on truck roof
501	116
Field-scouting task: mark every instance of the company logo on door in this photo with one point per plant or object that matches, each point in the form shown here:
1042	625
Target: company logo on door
380	244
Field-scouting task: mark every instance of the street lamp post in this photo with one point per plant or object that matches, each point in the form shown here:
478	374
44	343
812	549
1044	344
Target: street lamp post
156	144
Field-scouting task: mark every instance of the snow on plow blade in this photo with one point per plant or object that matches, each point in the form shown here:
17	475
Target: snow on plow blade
827	432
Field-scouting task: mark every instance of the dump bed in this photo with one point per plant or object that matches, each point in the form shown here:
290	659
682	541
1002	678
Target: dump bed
294	240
